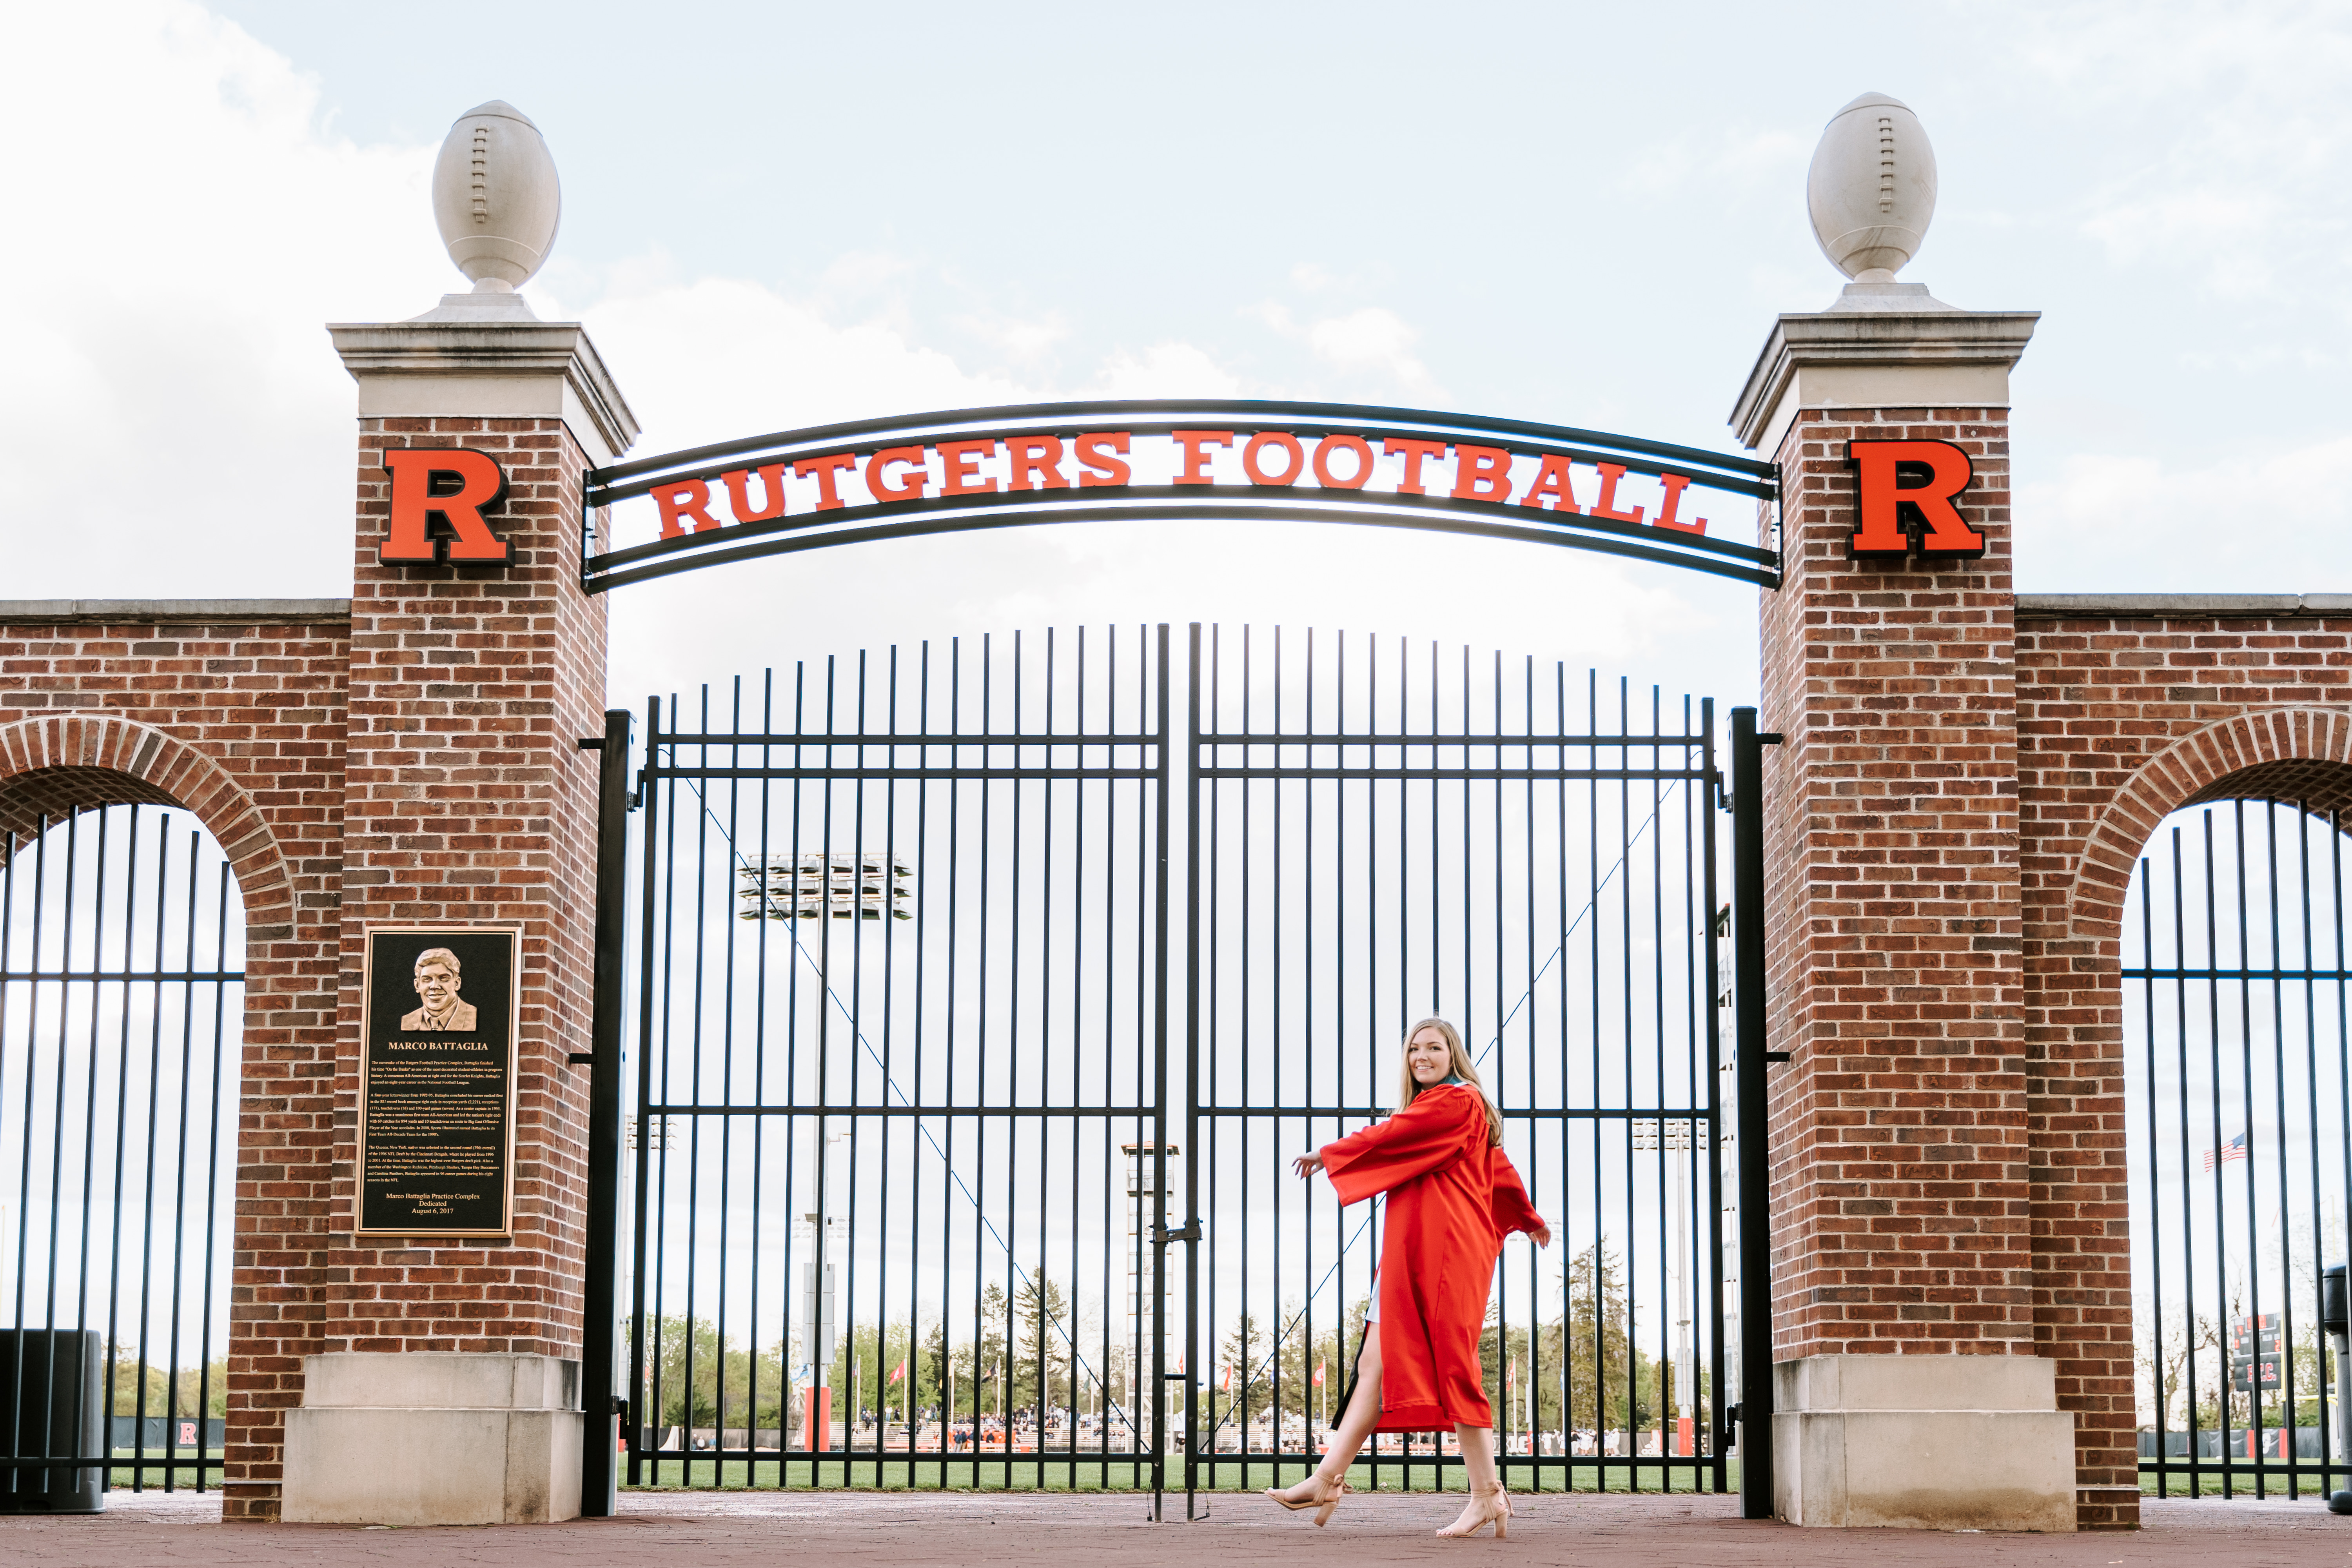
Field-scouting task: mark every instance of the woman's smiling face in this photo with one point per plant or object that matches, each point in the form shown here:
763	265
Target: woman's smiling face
1429	1056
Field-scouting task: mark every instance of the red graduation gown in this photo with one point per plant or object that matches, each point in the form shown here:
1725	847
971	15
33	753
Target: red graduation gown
1452	1199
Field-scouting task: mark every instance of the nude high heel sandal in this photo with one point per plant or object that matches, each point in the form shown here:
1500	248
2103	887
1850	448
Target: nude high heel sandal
1494	1508
1324	1500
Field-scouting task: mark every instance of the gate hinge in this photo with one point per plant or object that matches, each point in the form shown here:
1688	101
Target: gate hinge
1192	1232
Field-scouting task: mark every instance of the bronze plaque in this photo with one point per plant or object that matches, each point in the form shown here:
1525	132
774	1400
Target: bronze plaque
437	1081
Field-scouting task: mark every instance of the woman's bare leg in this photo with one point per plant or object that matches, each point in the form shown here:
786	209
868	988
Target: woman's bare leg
1478	1459
1356	1422
1477	1455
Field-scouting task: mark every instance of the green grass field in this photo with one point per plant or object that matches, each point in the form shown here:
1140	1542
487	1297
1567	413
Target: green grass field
1086	1475
182	1477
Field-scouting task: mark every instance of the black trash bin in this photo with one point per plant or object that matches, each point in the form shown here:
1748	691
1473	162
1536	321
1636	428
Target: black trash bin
2336	1323
50	1399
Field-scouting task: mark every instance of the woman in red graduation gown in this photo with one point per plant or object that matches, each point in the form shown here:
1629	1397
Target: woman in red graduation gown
1452	1198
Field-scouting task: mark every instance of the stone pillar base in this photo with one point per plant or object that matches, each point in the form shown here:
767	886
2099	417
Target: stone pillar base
434	1438
1922	1442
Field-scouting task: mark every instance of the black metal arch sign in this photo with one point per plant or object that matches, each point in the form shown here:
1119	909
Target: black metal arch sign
962	469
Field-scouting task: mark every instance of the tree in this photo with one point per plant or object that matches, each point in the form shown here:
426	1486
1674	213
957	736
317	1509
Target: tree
1246	1388
1610	1381
1333	1348
931	1376
863	1366
987	1384
1291	1371
207	1384
1042	1371
705	1380
1503	1355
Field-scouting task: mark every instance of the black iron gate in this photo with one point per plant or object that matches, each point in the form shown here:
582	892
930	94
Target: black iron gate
2238	1075
121	995
955	1158
891	1171
1382	832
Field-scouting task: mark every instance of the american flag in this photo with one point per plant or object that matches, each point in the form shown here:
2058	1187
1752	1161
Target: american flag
2235	1149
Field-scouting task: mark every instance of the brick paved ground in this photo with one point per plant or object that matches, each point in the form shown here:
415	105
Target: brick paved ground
703	1529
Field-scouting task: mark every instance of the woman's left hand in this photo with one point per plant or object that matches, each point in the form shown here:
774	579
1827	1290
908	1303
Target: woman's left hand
1306	1165
1540	1236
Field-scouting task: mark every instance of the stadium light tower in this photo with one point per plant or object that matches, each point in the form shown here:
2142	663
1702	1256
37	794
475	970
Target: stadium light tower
1678	1138
818	884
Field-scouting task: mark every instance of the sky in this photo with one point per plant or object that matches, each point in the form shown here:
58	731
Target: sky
777	216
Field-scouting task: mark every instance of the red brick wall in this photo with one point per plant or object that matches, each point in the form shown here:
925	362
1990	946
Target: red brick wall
1952	825
467	799
2122	721
241	721
1900	1178
411	761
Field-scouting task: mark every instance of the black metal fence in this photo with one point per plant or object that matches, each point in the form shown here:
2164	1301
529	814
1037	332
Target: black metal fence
957	1160
893	1169
2240	1104
121	994
1383	831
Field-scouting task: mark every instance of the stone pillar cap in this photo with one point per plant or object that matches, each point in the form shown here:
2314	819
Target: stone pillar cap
1929	355
488	369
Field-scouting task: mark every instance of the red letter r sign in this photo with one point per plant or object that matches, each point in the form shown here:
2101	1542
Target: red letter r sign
1904	489
454	481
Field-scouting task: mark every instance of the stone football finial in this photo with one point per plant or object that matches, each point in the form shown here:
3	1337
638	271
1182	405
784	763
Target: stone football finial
495	196
1871	188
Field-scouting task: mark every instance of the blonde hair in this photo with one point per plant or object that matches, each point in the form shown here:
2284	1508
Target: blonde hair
1462	1067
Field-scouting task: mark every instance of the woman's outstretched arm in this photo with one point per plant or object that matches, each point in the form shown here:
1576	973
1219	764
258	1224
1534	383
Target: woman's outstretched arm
1442	1125
1512	1209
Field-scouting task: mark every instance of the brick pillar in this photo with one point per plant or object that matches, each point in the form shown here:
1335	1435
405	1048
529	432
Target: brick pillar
1909	1390
466	800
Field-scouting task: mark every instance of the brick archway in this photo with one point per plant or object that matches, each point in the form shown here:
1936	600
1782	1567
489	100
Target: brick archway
81	760
66	762
2283	753
2077	1126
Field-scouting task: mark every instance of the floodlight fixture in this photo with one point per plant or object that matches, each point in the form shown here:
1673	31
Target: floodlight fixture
846	884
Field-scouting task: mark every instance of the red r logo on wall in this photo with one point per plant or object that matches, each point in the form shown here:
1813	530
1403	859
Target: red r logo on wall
1905	493
458	484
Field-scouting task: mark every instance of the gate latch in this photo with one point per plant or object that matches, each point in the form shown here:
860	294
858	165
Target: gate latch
1192	1232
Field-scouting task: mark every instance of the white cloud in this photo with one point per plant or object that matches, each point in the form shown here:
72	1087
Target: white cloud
2215	135
1025	341
2271	523
1166	370
174	420
1732	159
721	357
1372	340
178	425
717	358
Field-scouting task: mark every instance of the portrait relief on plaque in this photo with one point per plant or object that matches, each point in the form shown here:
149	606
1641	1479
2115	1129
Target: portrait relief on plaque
437	1080
440	980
